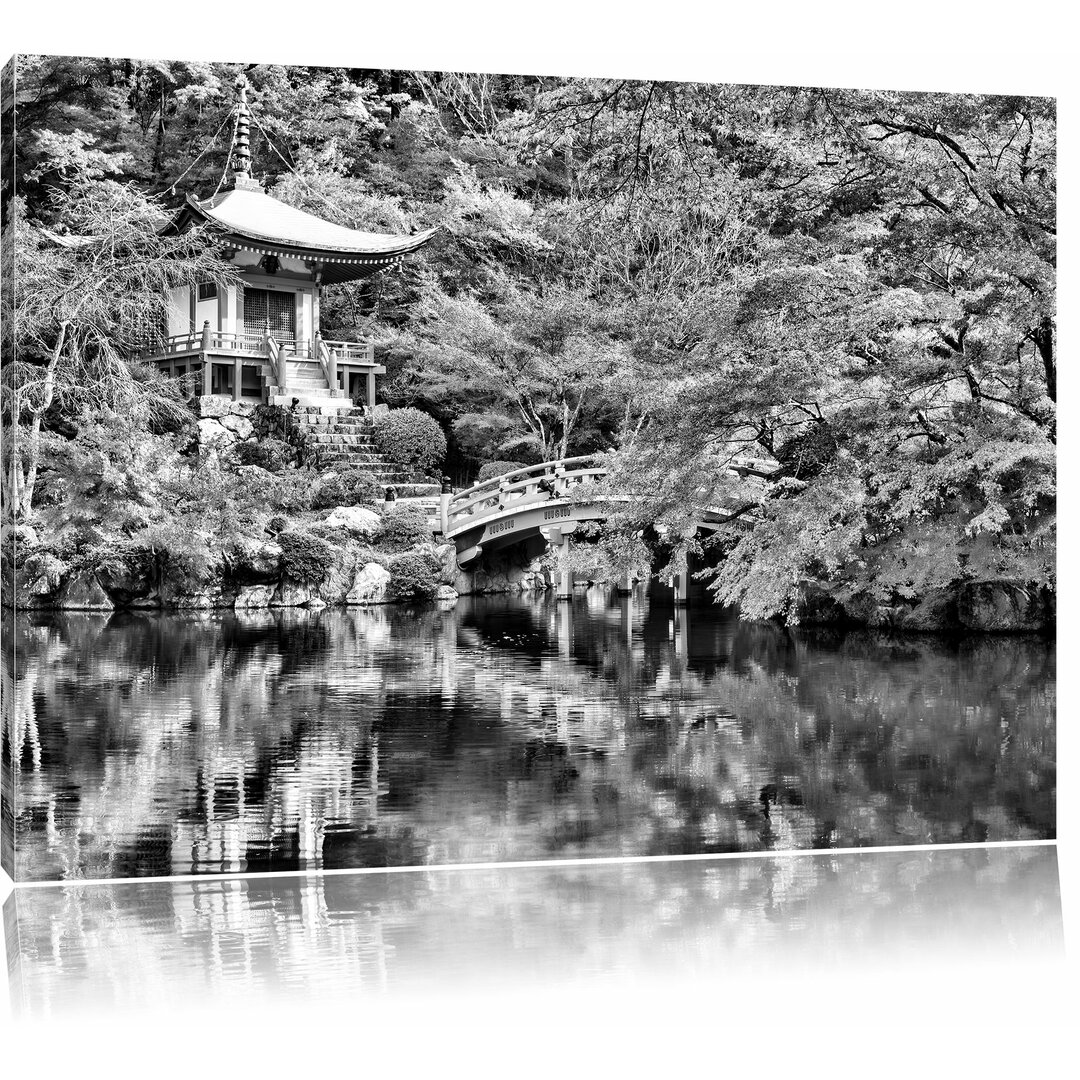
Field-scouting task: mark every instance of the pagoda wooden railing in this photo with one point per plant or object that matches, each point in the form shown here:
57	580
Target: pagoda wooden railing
273	354
354	356
327	361
354	353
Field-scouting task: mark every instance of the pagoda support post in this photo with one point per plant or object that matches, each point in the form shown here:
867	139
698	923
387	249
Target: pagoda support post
371	390
238	376
206	383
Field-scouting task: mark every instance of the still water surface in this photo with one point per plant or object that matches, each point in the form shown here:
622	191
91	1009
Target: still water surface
509	728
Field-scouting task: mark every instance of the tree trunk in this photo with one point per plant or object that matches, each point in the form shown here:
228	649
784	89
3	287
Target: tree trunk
26	485
1044	342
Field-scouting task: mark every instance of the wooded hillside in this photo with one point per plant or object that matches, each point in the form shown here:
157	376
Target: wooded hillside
859	286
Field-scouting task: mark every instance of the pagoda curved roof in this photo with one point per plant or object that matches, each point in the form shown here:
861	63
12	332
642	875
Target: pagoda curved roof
252	219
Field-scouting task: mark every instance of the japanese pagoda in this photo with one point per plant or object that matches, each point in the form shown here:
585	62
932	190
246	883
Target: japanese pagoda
259	339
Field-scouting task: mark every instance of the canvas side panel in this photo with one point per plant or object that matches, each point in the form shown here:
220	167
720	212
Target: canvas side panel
13	951
7	638
7	748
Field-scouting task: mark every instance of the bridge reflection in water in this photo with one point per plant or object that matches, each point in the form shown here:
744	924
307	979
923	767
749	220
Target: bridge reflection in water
75	947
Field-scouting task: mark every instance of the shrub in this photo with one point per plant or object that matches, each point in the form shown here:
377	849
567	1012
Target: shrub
270	454
352	488
304	556
403	528
410	438
414	575
497	468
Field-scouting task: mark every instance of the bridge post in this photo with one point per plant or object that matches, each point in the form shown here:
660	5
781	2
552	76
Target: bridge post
558	536
680	583
566	576
626	584
444	505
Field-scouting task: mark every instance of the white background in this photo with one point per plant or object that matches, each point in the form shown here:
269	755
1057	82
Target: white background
924	1019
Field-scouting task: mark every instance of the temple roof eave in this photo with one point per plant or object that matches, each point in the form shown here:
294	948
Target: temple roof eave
367	248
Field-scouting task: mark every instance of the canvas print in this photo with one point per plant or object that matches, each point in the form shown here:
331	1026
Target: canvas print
418	468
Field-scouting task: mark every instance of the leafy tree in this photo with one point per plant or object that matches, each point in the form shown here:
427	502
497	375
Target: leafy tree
91	290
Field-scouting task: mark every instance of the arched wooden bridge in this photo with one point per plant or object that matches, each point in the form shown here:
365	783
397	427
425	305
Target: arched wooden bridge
549	500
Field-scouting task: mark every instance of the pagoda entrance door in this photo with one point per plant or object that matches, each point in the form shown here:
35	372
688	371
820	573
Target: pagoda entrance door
263	308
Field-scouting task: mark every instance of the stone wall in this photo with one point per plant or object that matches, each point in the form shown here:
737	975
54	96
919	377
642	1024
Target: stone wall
222	422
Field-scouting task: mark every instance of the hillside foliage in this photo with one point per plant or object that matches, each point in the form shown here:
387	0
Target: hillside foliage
856	288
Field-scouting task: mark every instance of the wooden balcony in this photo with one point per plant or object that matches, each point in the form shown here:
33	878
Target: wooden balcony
261	367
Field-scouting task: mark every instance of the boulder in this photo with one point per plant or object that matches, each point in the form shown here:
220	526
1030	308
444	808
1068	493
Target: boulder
370	585
254	560
39	587
339	579
240	426
291	594
25	537
86	594
200	599
211	433
212	406
128	581
47	572
1000	606
447	556
254	596
356	520
446	593
935	611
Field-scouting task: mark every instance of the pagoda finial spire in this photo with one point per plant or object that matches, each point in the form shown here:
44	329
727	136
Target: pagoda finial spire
241	151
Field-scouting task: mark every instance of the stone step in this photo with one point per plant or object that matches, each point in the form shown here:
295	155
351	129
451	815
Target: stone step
307	400
344	438
316	416
379	475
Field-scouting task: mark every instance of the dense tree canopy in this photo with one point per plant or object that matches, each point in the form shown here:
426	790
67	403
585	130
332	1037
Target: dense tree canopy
856	287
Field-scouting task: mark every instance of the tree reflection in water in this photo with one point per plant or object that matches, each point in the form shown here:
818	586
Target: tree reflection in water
203	743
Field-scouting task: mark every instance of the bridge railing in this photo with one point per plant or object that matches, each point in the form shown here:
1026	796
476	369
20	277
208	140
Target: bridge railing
519	489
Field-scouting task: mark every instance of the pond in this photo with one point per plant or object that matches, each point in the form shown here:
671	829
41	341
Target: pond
509	728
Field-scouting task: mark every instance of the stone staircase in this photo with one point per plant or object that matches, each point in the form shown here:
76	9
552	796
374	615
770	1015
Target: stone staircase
307	386
342	436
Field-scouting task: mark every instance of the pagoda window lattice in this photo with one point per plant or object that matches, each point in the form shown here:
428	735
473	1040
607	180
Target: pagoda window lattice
263	308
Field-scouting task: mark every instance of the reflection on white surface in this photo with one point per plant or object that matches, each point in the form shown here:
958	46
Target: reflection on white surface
75	948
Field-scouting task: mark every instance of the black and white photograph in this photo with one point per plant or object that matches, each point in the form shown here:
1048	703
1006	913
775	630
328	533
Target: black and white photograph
414	468
528	540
